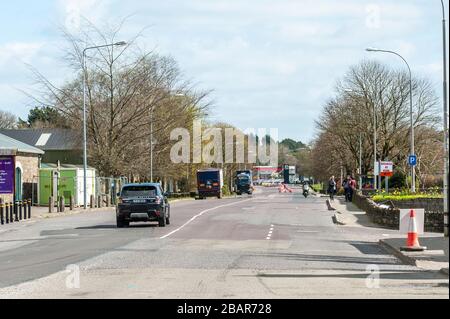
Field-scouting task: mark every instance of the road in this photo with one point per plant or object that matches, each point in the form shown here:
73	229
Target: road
267	246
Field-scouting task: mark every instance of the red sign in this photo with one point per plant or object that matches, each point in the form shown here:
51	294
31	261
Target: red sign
386	169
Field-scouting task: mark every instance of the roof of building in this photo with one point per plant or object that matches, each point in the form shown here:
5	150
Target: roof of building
47	139
9	144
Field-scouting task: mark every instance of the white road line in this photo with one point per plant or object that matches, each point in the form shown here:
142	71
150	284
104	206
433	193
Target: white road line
269	235
201	214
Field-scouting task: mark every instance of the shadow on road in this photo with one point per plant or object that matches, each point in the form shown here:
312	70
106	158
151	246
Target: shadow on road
329	258
397	275
115	227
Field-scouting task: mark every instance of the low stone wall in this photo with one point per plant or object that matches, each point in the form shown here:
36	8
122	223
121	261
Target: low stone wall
431	205
390	217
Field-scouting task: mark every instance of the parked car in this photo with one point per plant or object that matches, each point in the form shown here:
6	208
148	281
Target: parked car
142	203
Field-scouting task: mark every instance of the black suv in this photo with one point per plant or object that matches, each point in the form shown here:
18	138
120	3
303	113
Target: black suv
142	203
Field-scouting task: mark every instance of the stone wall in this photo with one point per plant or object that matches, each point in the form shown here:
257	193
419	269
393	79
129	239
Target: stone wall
390	217
387	217
30	171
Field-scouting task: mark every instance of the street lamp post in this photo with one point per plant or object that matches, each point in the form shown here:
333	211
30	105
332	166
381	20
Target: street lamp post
376	166
413	169
84	113
360	162
151	145
445	105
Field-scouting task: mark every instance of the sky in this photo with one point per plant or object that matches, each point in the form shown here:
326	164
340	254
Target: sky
270	64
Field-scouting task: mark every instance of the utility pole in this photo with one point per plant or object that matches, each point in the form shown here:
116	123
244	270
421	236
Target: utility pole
375	164
360	162
151	145
445	105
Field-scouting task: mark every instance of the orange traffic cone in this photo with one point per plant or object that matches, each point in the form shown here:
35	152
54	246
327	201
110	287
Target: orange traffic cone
412	242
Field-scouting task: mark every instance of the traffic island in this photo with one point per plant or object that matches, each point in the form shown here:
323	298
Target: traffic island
435	258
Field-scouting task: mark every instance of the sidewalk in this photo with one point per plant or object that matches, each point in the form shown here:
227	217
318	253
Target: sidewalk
434	258
348	214
42	212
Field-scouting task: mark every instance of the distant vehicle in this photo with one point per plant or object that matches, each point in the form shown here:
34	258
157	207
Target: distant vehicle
142	203
306	189
266	183
257	182
247	172
243	184
210	183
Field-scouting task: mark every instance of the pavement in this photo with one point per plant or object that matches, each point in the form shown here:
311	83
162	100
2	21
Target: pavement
265	246
348	214
434	258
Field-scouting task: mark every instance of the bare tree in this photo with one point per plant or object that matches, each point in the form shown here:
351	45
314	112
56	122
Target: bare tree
128	92
7	120
371	86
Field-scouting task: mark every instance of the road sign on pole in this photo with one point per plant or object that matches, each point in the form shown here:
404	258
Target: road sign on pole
412	160
386	169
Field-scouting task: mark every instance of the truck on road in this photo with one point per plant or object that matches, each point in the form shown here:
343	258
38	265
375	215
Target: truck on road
243	183
210	183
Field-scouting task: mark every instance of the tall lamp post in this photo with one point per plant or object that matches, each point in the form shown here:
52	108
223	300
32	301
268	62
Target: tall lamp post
84	113
152	143
360	162
413	169
445	105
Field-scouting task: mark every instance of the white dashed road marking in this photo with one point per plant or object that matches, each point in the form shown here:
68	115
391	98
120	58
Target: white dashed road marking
269	235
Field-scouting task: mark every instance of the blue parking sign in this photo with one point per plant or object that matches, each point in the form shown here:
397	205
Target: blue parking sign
412	160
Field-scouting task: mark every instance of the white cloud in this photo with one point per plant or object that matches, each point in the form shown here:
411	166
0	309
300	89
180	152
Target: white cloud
74	11
263	56
22	52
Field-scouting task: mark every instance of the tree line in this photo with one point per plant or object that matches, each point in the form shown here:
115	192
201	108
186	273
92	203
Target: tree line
135	99
373	97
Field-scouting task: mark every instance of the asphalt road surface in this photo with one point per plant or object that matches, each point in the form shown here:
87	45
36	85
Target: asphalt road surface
270	245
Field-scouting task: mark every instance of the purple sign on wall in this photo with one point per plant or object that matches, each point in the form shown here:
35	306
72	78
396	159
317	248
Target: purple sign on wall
7	175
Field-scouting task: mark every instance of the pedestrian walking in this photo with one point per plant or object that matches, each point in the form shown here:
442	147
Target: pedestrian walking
346	184
332	186
352	188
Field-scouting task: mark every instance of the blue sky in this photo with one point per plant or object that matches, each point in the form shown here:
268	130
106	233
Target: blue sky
270	63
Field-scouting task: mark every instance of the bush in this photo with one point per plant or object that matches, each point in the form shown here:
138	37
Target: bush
398	180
